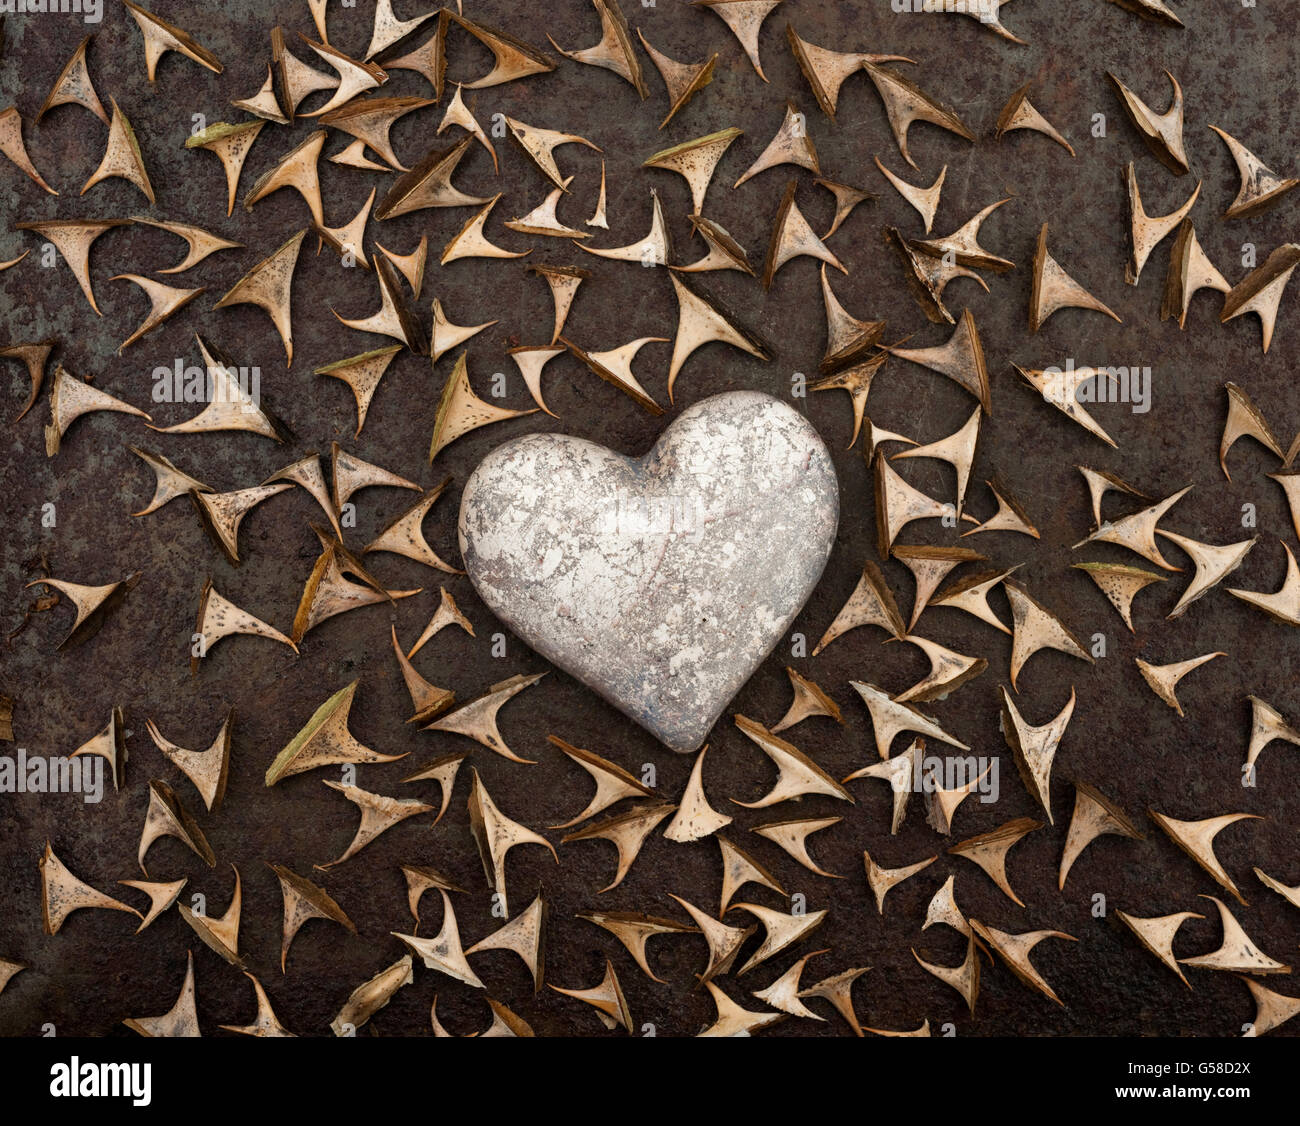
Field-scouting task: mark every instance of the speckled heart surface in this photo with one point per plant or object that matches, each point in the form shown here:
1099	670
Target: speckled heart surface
660	582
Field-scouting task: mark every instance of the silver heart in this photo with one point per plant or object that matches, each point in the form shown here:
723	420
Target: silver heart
660	582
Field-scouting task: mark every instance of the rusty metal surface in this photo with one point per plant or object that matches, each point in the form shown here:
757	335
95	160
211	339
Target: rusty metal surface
1237	66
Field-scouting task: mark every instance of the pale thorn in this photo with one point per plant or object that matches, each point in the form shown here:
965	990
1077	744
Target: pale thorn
265	103
635	931
379	813
957	449
1162	132
325	741
201	243
899	773
395	318
1054	289
1289	479
826	71
448	614
443	953
410	266
349	474
1157	11
1261	290
62	893
371	996
442	770
1146	232
928	275
793	144
1290	894
219	618
447	336
1271	1009
230	145
792	238
987	12
222	513
458	114
405	536
513	59
495	834
724	941
265	1023
429	184
838	990
963	245
942	804
732	1020
309	474
965	979
922	1030
304	901
347	241
695	818
627	832
1244	421
797	774
780	931
92	603
1061	389
871	604
961	359
612	783
971	594
161	37
1190	270
653	250
943	910
1157	936
906	103
856	380
848	339
161	896
682	80
73	239
989	850
1034	627
606	998
206	769
73	86
949	670
471	241
355	77
614	52
182	1019
881	880
477	720
695	161
1010	516
388	29
615	368
1094	815
167	817
700	322
899	504
428	58
563	282
543	221
598	217
1035	748
420	879
1266	725
428	699
1100	482
1137	532
1020	113
1261	187
269	285
793	837
219	935
1014	949
298	81
297	169
745	18
540	145
1120	584
1196	838
1237	953
1214	563
34	357
783	993
739	869
889	718
809	700
12	146
846	199
925	200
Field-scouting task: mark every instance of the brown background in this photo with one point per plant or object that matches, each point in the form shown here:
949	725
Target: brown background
1237	67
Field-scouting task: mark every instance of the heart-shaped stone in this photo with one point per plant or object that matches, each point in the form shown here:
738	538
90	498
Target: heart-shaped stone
661	582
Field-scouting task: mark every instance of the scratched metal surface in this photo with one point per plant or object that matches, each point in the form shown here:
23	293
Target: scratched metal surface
1237	67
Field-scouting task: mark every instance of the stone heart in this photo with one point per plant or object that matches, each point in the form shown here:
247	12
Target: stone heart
661	582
